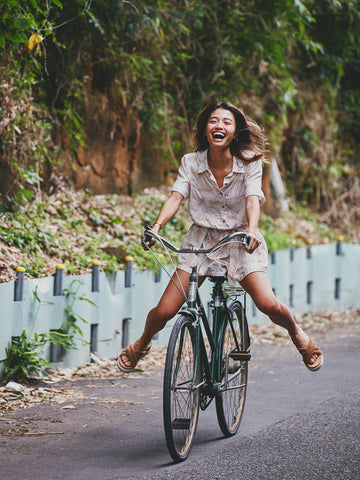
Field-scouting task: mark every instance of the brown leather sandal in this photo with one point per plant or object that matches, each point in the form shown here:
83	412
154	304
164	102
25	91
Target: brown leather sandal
133	356
308	352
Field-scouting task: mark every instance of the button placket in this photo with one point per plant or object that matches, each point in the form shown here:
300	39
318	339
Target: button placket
223	201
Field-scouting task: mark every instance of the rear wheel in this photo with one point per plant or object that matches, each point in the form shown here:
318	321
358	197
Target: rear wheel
180	395
230	401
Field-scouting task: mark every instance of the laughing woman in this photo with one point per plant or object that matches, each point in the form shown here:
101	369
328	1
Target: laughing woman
221	180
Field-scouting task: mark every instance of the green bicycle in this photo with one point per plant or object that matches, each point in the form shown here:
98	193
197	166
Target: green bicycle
207	355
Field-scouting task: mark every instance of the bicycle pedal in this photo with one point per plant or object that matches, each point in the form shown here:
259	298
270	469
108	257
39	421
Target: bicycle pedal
181	423
241	356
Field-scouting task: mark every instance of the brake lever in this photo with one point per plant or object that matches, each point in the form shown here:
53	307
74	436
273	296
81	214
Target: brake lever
246	241
146	239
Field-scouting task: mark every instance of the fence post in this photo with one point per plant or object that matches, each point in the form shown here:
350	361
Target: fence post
128	272
95	284
58	280
19	284
309	242
125	332
340	239
292	250
94	329
56	349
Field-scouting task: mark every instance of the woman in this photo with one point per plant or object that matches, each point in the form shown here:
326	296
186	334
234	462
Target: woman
222	182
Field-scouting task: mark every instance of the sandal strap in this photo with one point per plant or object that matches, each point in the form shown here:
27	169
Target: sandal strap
307	352
310	350
133	355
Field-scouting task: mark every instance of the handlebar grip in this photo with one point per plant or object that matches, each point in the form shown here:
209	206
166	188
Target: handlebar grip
147	239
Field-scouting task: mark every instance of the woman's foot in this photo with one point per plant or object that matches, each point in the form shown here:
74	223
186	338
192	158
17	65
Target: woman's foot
130	356
311	353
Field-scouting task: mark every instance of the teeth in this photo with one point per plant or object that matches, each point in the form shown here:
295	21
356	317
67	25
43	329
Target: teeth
219	135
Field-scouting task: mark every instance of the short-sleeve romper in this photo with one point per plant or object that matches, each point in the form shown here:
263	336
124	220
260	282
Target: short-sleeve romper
216	212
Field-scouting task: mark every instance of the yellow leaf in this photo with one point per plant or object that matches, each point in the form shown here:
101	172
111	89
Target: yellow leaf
34	40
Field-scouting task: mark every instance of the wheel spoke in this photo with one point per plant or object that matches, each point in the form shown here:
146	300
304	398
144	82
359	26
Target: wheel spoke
181	398
230	402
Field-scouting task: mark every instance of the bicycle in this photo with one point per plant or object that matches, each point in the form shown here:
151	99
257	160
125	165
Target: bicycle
204	362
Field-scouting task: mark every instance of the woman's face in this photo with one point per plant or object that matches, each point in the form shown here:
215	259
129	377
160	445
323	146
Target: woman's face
221	128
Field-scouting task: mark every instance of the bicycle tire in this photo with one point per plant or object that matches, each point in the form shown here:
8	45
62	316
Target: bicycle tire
230	401
180	399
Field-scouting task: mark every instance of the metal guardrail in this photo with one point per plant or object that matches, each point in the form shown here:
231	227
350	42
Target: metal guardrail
314	278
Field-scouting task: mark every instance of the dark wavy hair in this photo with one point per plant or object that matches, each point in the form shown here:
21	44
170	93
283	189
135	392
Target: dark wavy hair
249	134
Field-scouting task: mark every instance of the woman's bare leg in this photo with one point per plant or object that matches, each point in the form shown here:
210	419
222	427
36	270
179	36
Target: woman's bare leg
259	288
168	306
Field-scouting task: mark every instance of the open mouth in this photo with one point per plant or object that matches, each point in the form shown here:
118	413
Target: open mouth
218	136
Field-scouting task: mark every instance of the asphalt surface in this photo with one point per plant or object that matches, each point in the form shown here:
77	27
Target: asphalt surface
296	425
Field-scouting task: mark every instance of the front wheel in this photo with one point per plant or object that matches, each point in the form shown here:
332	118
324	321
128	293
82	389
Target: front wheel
181	392
230	401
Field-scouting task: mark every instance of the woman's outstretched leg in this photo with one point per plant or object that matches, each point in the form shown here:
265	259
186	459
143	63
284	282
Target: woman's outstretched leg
259	288
169	304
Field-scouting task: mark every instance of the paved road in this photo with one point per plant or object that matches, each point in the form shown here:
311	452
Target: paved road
296	425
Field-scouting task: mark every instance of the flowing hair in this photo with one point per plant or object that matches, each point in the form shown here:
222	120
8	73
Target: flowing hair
249	144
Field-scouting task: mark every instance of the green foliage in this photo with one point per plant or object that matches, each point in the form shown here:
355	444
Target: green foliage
27	151
163	60
275	238
70	331
292	64
30	240
24	356
18	20
25	132
199	50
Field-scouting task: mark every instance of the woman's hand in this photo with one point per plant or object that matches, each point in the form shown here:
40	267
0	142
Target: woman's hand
147	243
253	242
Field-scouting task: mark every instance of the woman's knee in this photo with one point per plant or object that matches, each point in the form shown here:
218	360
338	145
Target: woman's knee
161	313
270	306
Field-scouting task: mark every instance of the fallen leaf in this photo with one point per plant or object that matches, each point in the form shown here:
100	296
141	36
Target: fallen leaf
33	41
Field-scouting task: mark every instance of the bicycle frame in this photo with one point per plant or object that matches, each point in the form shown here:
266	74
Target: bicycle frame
211	369
204	361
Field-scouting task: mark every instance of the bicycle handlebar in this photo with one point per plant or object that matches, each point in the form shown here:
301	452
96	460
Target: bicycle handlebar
150	234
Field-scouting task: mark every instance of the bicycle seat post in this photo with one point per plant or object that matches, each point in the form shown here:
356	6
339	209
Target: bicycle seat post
192	288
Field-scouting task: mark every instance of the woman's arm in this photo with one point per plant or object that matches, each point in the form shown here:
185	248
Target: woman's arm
168	210
253	214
